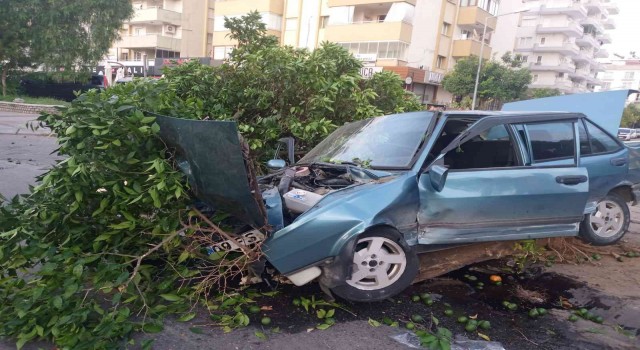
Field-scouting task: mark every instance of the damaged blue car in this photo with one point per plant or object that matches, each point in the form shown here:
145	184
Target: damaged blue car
355	212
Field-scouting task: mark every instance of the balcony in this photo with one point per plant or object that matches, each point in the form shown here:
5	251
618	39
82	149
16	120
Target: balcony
594	22
565	48
571	29
612	8
579	74
602	53
596	5
560	84
562	67
469	47
587	40
156	15
609	23
230	8
568	8
334	3
605	38
369	31
472	17
150	41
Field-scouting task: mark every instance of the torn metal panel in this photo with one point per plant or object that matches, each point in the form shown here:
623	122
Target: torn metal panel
212	156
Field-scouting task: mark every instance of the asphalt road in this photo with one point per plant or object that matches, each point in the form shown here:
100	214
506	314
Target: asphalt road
24	153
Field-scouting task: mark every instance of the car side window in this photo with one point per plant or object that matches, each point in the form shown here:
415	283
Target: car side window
551	141
492	148
585	145
601	142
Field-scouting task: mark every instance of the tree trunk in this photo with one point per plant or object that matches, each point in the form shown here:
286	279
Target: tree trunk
5	69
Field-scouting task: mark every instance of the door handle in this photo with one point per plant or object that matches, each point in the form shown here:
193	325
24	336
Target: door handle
571	180
618	161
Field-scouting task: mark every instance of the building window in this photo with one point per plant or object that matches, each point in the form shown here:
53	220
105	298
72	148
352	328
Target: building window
124	56
629	75
380	49
539	60
543	40
525	41
446	28
381	18
440	62
222	52
324	21
137	31
535	78
522	58
137	56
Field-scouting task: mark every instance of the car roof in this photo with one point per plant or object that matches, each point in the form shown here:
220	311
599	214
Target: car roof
535	116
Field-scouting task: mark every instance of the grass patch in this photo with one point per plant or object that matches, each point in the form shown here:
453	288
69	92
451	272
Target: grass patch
35	100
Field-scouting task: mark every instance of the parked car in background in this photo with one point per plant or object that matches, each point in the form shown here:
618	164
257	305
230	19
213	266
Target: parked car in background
626	134
356	210
637	133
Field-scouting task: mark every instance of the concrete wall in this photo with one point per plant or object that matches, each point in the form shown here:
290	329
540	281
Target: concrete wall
26	108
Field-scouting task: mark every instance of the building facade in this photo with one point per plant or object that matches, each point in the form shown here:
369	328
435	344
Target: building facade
420	40
621	74
165	29
560	40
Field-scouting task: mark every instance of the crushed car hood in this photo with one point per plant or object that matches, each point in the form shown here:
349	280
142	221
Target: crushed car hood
214	159
603	108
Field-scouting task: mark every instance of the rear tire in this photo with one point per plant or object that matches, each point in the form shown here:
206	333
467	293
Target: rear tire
383	266
608	224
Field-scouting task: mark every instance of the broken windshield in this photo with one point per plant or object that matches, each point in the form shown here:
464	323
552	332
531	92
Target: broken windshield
383	142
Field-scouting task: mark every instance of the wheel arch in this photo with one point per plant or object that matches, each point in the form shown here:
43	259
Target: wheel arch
625	192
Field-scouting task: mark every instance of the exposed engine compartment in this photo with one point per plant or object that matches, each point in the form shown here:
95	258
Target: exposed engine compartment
302	187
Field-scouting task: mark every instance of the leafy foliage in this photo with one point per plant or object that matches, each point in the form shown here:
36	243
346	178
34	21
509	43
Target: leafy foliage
630	116
540	93
100	247
58	33
499	80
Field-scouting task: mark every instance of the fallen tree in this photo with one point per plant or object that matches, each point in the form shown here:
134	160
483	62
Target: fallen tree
108	242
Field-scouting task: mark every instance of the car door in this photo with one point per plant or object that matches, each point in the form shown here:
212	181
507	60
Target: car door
606	159
503	191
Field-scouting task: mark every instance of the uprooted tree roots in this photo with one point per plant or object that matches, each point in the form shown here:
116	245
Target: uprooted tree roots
573	250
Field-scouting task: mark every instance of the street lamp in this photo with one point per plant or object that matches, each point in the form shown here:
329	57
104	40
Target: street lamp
484	34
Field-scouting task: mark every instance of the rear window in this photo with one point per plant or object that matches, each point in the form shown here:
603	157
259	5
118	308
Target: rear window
600	141
551	141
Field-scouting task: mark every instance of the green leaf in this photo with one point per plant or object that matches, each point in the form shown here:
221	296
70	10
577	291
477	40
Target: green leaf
260	335
77	270
152	328
323	326
147	120
331	312
183	256
187	317
57	302
321	313
196	330
373	323
170	297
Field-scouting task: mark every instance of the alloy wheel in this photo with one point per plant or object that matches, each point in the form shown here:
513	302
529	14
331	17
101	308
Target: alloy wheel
607	220
378	263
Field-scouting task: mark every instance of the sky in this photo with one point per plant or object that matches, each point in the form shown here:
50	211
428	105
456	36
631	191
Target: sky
626	36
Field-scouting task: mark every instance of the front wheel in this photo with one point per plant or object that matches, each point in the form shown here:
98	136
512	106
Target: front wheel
608	223
383	266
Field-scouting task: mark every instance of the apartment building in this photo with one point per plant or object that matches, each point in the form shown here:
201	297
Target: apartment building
165	29
560	40
420	40
621	74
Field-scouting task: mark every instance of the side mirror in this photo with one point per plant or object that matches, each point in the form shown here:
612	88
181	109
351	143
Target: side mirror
276	164
438	177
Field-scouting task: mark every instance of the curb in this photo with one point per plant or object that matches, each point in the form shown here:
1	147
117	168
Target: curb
27	108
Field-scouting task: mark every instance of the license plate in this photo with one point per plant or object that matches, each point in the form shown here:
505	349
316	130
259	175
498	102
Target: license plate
250	239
